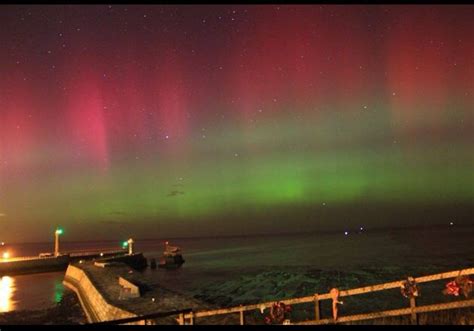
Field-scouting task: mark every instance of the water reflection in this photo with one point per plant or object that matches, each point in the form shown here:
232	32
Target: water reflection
58	291
7	287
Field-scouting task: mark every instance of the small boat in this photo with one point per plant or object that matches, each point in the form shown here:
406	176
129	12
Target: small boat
172	258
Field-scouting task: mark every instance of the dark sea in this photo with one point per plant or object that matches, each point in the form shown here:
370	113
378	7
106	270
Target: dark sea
241	270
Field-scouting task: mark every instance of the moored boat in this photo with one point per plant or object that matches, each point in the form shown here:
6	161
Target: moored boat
171	258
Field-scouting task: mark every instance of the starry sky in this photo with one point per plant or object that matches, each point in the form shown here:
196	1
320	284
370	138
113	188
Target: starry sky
208	120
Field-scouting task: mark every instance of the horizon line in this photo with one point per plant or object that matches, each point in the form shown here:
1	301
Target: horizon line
376	229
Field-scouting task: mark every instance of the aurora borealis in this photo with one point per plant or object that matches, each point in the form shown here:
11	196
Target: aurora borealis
186	120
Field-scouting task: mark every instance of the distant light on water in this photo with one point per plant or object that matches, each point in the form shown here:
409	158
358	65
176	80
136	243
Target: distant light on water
7	286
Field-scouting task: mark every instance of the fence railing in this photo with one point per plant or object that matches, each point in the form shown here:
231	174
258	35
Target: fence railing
190	318
148	319
394	312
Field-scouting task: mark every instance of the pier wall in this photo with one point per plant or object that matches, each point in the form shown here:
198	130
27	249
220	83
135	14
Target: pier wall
36	264
31	265
135	261
94	304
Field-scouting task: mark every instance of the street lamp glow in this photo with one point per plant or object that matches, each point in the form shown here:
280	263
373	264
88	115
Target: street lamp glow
6	255
130	246
57	233
125	244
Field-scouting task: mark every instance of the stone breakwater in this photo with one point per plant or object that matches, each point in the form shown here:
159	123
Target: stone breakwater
33	265
94	304
36	264
103	297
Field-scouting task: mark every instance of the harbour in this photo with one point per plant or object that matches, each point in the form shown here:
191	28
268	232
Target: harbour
214	276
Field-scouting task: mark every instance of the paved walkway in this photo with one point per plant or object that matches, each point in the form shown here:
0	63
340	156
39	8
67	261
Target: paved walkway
106	281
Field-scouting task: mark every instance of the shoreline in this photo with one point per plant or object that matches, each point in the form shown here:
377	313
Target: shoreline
66	312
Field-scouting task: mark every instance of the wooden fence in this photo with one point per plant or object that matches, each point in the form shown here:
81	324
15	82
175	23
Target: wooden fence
413	310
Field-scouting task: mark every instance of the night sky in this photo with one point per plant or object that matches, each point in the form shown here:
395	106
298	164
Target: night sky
183	121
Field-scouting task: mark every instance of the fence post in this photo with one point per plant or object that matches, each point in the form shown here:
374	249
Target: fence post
317	315
414	319
181	319
242	320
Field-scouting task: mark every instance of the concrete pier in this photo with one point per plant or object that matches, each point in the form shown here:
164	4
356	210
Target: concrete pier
107	292
36	264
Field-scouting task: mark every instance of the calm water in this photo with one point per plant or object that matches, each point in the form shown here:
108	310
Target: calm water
226	260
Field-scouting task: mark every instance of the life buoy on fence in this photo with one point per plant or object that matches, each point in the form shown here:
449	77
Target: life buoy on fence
278	313
462	284
335	301
409	288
